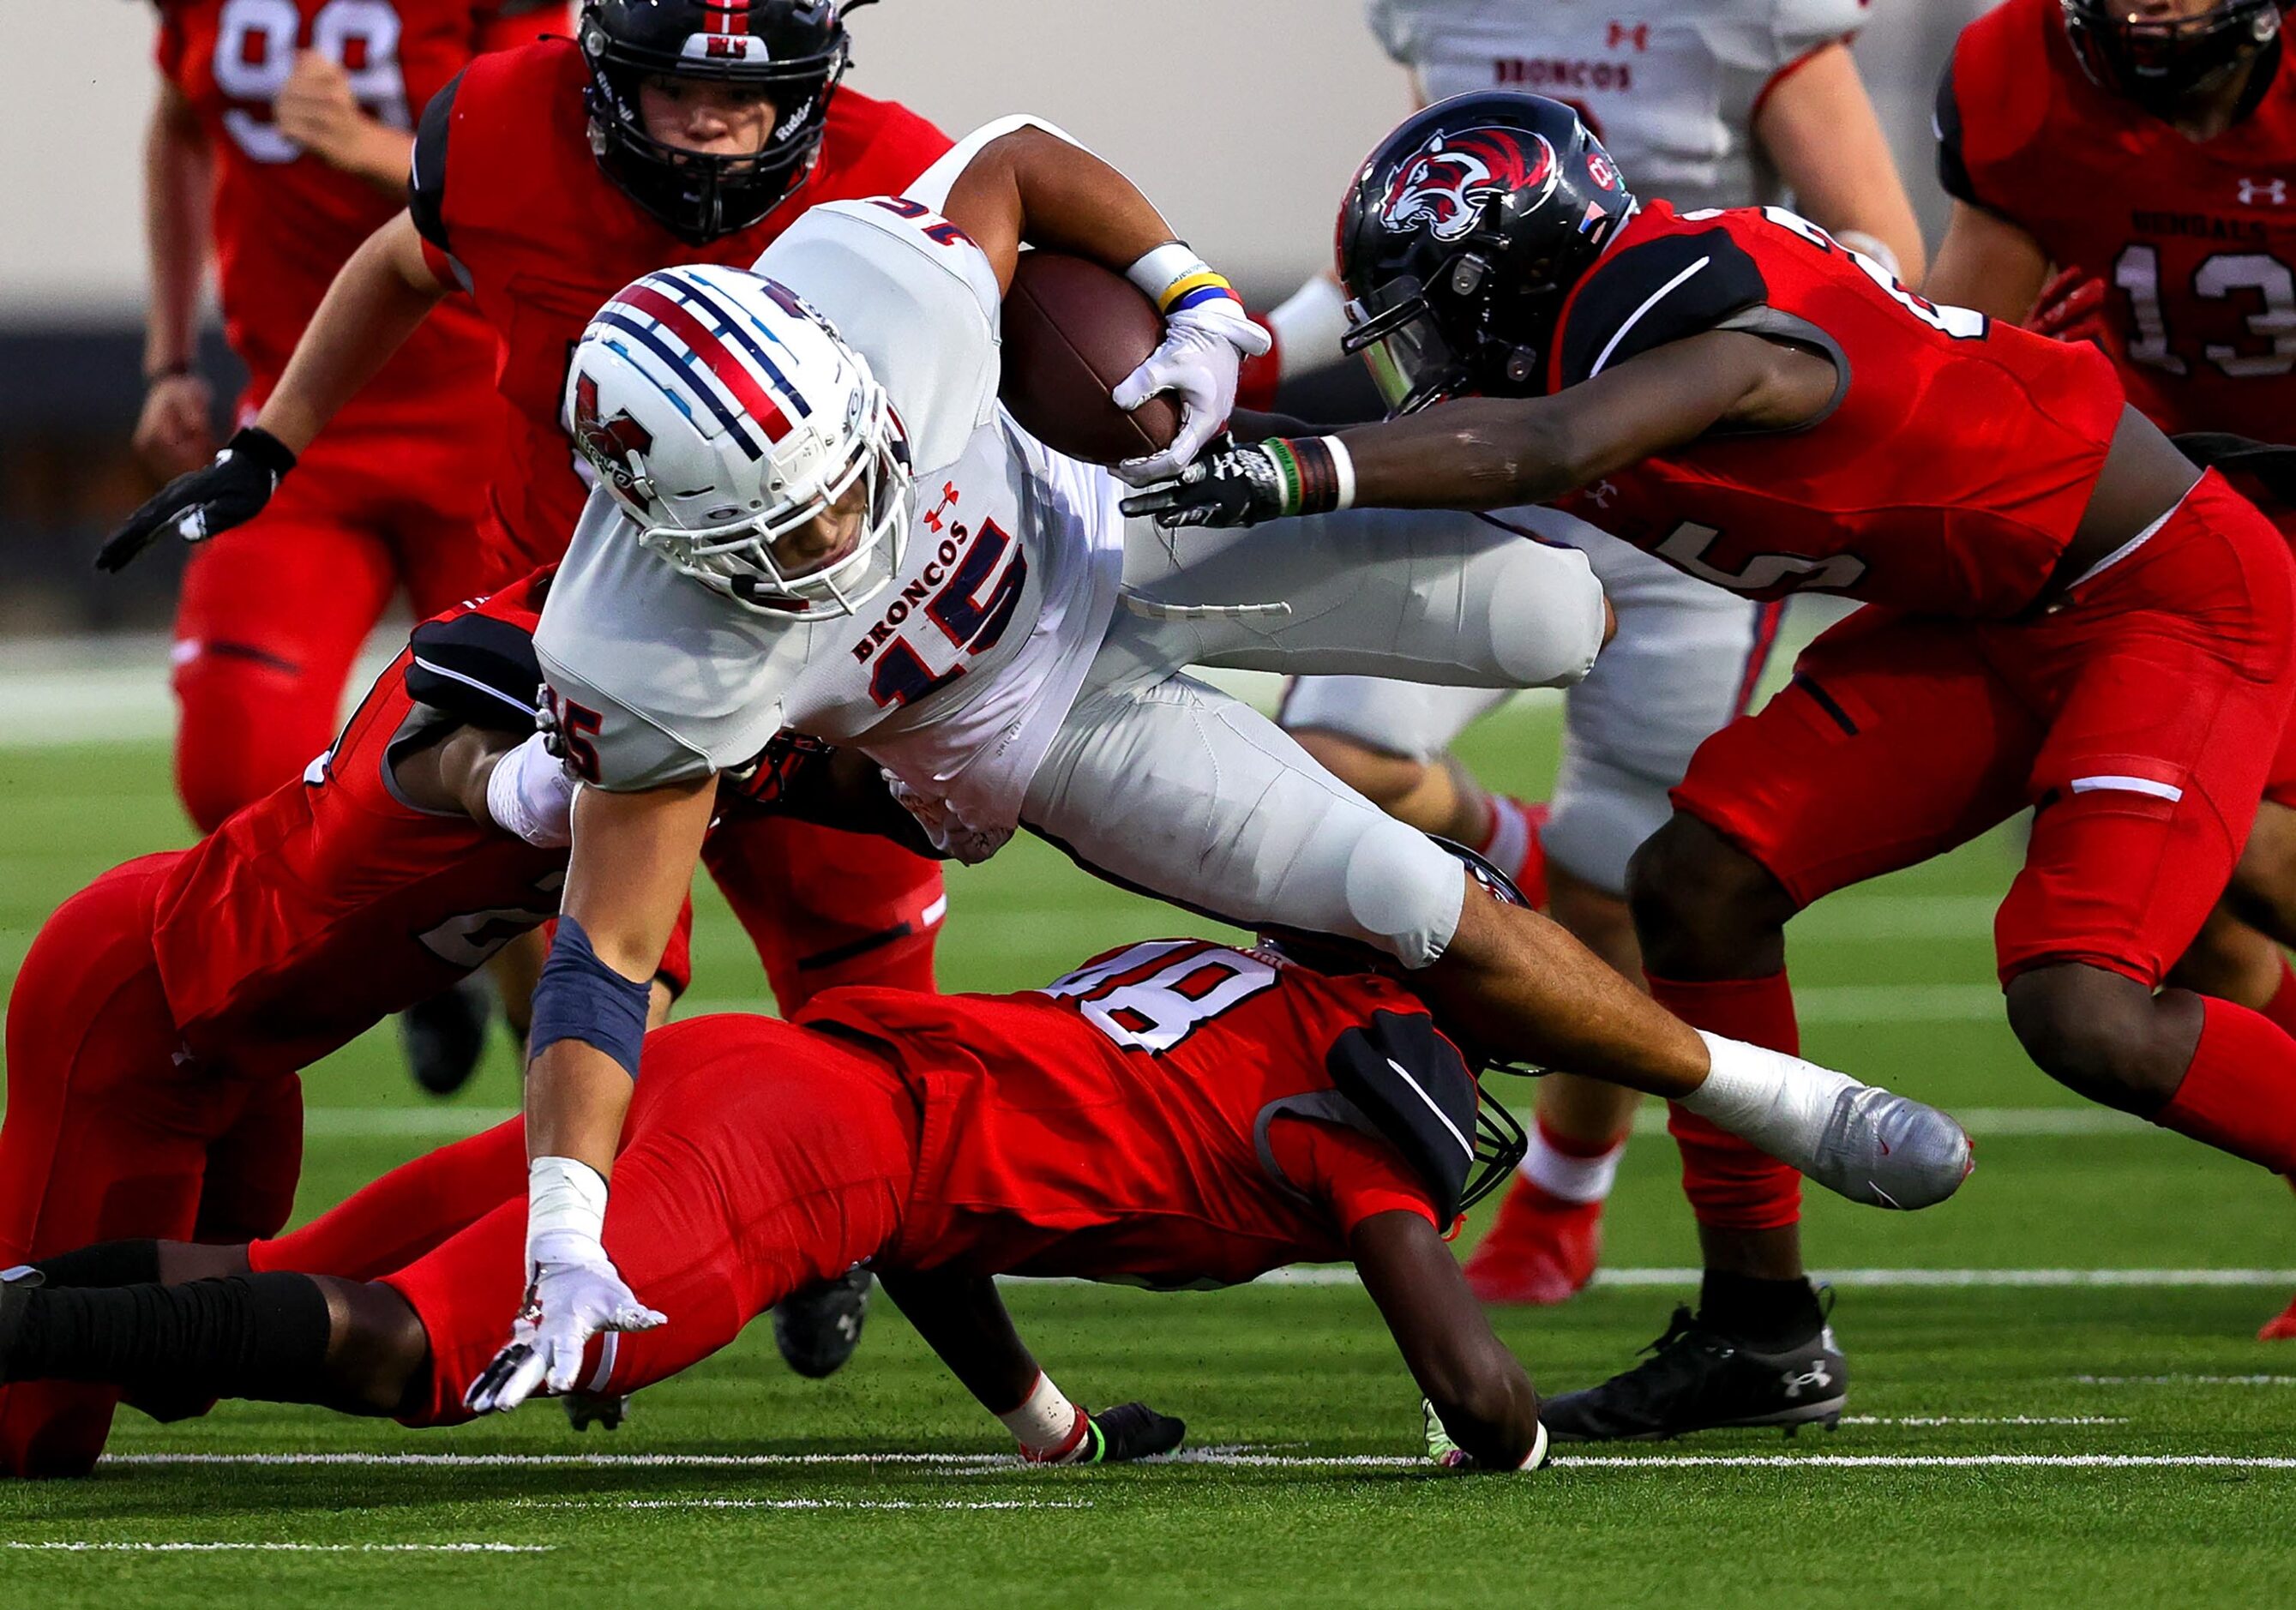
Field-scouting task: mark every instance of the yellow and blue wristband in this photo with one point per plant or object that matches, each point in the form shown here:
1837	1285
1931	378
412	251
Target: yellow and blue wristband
1176	279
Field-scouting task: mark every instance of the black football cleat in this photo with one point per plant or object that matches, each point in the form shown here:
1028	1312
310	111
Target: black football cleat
1698	1379
17	1285
818	1329
445	1037
607	1412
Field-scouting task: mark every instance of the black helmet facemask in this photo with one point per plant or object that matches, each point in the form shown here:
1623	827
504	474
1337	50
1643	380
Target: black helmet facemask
2161	64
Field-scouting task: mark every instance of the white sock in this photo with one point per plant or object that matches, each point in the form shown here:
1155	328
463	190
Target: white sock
1565	1176
1509	843
1780	1102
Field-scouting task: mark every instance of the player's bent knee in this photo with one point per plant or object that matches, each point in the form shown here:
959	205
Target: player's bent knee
1549	617
2101	1035
1403	892
1689	886
377	1348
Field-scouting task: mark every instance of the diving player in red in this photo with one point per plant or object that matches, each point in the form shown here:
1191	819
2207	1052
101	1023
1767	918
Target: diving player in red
545	179
2063	613
1175	1113
2148	151
280	142
158	1024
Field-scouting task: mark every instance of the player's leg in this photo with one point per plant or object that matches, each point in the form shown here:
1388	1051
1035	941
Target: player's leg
1685	660
390	1222
1893	742
825	907
271	618
106	1131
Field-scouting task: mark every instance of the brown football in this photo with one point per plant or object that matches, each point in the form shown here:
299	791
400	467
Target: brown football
1072	331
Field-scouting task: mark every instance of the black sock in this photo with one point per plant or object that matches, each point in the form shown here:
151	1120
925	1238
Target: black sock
1768	1315
262	1336
106	1263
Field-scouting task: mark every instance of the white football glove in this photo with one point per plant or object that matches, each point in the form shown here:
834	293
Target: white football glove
1203	346
573	1291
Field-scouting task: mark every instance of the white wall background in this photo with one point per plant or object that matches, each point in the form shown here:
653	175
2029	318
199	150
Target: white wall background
1243	118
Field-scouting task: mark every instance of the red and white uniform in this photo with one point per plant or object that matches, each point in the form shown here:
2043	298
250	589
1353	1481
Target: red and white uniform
2195	240
513	206
273	613
1944	485
160	1016
1162	1116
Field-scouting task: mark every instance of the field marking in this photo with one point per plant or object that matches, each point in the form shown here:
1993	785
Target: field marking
1949	1278
2186	1380
809	1504
455	1123
1243	1459
85	1548
1985	1419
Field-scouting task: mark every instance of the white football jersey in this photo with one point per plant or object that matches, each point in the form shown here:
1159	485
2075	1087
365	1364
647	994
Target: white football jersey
954	675
1670	90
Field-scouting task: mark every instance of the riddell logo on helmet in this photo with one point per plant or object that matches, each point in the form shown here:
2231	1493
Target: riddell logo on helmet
1443	184
609	444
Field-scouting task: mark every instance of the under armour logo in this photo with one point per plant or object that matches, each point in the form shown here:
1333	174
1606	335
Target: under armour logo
1600	493
1795	1380
1636	34
2273	192
948	494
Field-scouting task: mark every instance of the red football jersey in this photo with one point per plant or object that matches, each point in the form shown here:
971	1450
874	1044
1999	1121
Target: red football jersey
1157	1116
284	222
507	191
2195	240
317	911
1946	477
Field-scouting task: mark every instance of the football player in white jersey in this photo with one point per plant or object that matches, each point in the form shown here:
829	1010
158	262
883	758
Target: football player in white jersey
1709	104
813	513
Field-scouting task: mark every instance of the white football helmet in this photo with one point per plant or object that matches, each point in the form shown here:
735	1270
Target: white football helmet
725	415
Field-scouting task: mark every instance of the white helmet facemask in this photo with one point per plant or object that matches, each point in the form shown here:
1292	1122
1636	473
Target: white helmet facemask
726	417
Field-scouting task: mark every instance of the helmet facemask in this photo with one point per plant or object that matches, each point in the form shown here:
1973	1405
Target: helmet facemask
735	556
2162	63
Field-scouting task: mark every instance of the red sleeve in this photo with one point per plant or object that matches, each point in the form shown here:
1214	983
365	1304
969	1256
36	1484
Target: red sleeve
1355	1174
1993	102
888	144
503	23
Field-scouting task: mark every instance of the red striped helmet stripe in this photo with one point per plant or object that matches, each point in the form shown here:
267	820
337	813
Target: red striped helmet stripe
755	401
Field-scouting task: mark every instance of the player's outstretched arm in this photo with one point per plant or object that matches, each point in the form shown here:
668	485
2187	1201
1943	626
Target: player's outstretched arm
1496	453
633	860
1817	126
1988	263
963	1320
1478	1394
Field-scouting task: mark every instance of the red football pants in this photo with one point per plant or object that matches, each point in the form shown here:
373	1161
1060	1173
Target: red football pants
757	1158
111	1131
272	612
2141	716
827	907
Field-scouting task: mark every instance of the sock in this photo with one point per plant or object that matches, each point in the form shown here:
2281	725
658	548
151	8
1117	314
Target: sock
1568	1169
1768	1315
2239	1096
393	1221
2282	1007
1732	1183
106	1263
262	1336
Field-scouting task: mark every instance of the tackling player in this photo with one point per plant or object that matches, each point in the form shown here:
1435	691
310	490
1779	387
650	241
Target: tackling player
1174	1114
2148	152
2066	614
544	177
1710	104
813	514
159	1020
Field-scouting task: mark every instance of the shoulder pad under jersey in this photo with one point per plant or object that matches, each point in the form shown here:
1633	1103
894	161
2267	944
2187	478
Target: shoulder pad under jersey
478	668
1660	290
426	173
1418	1094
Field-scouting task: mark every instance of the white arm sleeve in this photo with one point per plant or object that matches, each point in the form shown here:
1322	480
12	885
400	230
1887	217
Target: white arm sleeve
932	186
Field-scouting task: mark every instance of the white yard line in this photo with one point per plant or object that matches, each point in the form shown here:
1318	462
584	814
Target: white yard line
1319	1274
1985	1419
1245	1459
2186	1380
809	1504
81	1548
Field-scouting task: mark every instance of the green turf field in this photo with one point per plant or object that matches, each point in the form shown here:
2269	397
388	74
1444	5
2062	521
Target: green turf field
2014	1431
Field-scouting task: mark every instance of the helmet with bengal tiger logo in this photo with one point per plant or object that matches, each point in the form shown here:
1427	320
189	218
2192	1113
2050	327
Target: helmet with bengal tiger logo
1461	236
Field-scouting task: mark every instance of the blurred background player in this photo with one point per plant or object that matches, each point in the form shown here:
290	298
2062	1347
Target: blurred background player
671	131
1708	103
2147	149
278	144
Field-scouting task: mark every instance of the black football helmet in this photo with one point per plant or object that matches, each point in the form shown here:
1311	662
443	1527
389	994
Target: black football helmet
2158	62
1461	236
794	50
1500	1142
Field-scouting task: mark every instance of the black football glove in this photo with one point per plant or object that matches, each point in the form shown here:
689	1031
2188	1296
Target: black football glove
1130	1432
200	504
1228	486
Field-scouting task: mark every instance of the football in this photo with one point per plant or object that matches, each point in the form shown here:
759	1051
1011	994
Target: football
1073	330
